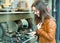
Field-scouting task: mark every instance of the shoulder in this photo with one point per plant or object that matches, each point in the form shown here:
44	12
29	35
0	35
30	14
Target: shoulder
50	21
50	25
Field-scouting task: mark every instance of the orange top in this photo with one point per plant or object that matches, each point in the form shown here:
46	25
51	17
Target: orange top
47	32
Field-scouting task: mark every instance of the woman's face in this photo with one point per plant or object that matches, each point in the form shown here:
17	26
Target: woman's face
35	11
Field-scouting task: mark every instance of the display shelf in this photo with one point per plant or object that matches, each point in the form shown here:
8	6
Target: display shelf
15	12
12	16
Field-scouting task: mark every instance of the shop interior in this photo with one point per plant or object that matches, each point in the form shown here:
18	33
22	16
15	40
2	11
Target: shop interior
17	20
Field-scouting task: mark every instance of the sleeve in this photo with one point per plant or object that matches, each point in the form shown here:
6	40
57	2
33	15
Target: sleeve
51	28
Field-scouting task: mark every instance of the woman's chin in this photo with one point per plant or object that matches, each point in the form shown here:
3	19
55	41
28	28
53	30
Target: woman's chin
38	16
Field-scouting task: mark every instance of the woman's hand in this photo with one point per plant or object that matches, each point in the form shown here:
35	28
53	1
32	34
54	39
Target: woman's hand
39	31
32	33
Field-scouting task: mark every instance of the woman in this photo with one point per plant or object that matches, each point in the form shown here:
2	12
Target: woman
45	23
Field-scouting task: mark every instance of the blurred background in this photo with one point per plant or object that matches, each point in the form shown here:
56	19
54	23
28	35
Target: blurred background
17	20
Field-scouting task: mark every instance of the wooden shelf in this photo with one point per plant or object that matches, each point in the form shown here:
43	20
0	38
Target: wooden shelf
15	12
12	16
